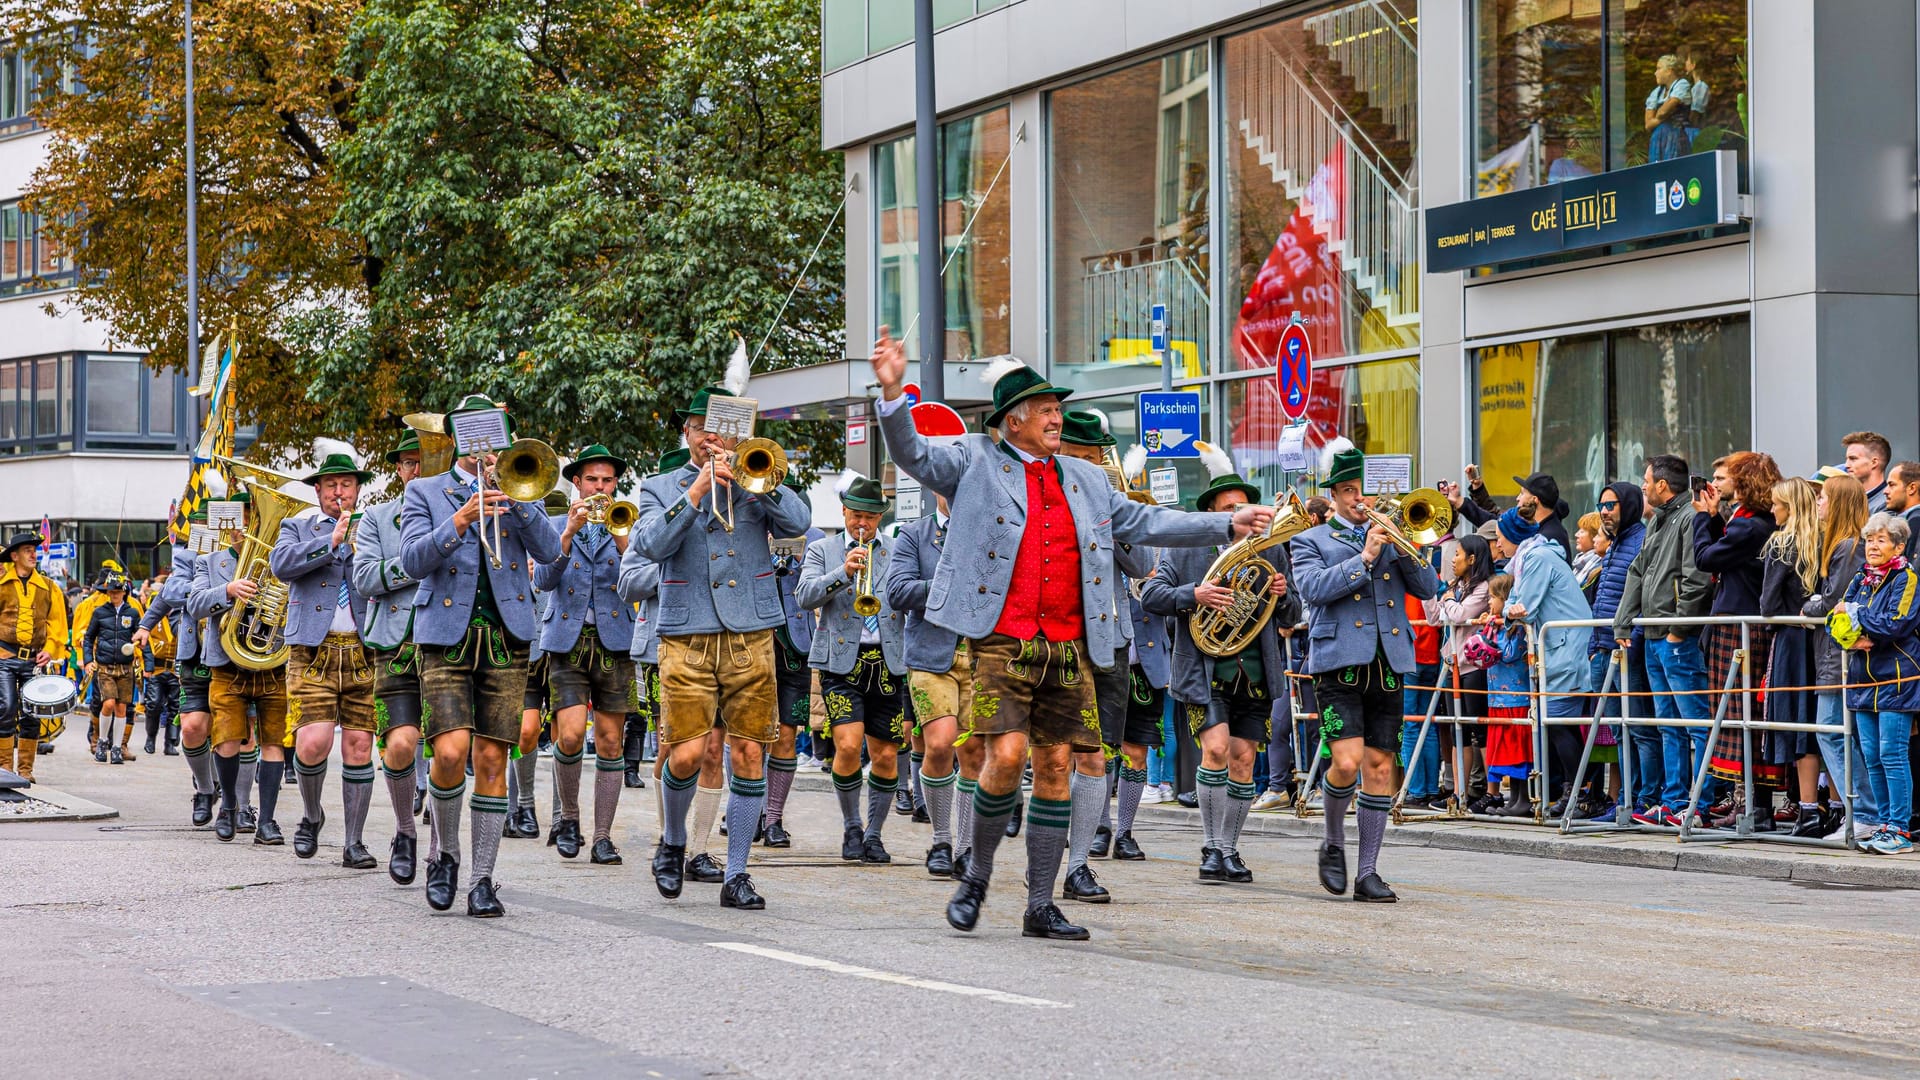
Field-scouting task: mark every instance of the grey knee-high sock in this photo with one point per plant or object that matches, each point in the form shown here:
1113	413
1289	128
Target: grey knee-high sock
880	791
1373	811
400	790
249	768
966	792
748	799
676	797
489	820
566	780
1086	796
919	789
200	761
1132	783
513	787
229	768
446	817
1212	784
847	790
609	776
1239	801
939	791
313	781
356	797
270	773
990	813
1335	802
420	769
780	772
526	767
1047	822
706	806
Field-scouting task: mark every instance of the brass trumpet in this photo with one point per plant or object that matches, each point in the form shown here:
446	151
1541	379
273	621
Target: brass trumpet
617	515
865	603
1413	521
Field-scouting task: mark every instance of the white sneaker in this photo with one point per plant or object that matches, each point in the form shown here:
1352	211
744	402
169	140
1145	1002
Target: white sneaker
1166	793
1271	800
1861	831
1151	795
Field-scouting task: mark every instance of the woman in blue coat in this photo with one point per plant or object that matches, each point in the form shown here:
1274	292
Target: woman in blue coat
1883	674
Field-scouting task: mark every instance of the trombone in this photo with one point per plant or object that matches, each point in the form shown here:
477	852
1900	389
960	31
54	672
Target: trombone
523	472
760	465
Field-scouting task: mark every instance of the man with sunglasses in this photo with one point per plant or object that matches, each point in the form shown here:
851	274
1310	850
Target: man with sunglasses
1620	508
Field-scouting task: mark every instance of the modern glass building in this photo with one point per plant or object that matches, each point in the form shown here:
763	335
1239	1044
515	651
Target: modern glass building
1245	165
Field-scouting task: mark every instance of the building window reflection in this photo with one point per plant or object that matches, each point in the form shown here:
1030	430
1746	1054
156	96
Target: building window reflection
1375	404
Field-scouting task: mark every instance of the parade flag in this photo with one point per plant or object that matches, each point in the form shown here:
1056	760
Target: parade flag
215	441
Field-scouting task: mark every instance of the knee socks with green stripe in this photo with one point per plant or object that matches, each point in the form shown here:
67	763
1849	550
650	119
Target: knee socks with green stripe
1047	821
566	781
446	816
1088	796
1337	798
990	814
200	761
356	797
676	795
489	821
609	776
847	790
400	790
313	781
939	791
1132	783
746	799
780	772
1373	811
249	768
966	792
1239	801
1213	806
880	791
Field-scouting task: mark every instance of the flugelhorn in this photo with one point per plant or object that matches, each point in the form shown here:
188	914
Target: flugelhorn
617	515
1413	521
1243	569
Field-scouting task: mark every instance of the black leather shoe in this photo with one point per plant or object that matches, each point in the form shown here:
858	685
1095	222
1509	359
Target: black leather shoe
1127	849
706	870
1083	886
267	834
1333	868
419	800
1102	843
223	825
483	902
510	828
902	800
633	779
357	857
604	853
567	838
874	853
529	823
202	809
553	831
1371	890
402	858
851	843
306	838
289	778
172	747
443	880
777	835
940	860
921	815
963	911
150	748
669	868
1014	822
247	819
1212	866
738	892
1188	799
960	861
1237	871
1048	922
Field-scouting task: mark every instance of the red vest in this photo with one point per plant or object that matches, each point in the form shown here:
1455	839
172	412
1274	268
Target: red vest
1044	597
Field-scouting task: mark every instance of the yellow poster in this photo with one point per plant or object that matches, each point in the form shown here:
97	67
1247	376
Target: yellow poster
1507	401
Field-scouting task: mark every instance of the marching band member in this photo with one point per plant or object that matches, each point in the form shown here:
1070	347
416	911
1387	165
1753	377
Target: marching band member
108	648
940	676
157	646
388	631
1025	580
472	624
585	633
1227	702
719	605
232	690
640	585
1349	571
793	679
1084	435
329	670
190	672
1147	680
523	821
33	633
860	664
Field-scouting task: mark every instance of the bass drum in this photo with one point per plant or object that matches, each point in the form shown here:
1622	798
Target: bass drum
51	698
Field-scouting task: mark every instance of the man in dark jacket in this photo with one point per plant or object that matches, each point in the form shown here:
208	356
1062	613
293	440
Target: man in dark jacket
1539	500
1620	512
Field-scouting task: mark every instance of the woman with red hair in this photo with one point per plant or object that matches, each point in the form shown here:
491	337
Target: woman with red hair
1732	521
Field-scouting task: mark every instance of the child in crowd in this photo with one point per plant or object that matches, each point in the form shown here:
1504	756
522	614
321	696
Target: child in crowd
1509	750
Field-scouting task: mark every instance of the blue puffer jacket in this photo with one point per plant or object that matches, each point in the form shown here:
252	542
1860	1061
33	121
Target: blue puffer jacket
1613	578
1890	616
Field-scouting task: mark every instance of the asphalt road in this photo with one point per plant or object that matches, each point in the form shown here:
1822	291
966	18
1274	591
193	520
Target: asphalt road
142	947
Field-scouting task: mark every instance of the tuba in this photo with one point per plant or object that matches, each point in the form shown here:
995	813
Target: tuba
254	632
1243	569
436	446
1413	521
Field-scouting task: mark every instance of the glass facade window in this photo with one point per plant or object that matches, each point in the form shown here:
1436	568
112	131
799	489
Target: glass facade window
1321	130
975	225
113	395
25	77
1568	89
1592	408
29	262
1123	420
852	30
1125	238
1375	404
122	403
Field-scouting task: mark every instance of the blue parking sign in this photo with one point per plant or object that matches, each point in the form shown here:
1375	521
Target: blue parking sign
1170	423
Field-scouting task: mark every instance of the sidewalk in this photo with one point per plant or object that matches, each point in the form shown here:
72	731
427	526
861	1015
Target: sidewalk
43	803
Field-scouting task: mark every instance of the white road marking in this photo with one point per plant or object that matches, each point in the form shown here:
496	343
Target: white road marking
838	968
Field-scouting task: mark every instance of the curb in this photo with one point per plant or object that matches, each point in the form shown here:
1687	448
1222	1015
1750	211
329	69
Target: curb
1734	858
65	807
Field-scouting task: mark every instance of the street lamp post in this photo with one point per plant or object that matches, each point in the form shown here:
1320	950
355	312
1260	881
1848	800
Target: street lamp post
926	141
193	219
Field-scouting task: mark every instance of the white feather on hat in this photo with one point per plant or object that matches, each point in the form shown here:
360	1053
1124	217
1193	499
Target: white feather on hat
1001	368
1334	447
324	448
216	486
845	482
738	368
1215	459
1135	461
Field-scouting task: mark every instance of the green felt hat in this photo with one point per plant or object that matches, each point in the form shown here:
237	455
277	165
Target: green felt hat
1083	427
865	493
337	465
675	458
593	453
557	502
198	517
1347	464
408	441
1015	385
698	407
1225	482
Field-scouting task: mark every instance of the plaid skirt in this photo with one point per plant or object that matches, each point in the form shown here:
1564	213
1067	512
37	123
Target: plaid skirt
1718	644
